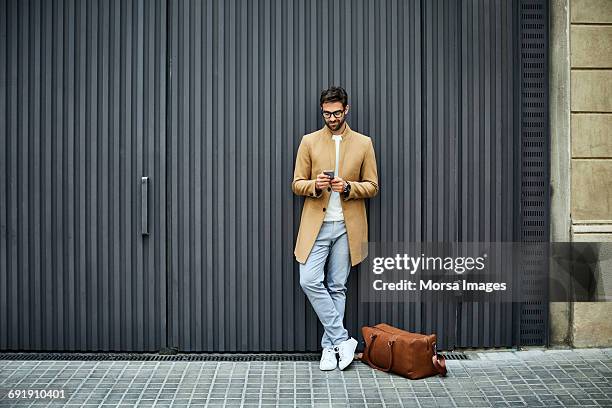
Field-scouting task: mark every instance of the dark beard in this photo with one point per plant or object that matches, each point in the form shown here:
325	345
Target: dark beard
339	125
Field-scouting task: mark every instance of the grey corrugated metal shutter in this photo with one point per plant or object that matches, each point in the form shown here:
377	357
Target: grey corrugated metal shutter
82	119
209	100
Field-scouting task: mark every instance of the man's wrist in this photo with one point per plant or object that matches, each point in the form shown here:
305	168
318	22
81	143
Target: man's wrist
347	188
318	191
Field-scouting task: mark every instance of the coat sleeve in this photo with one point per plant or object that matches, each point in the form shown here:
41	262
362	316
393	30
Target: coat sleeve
302	184
367	186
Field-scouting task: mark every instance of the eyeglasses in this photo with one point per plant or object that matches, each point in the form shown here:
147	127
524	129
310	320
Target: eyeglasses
337	114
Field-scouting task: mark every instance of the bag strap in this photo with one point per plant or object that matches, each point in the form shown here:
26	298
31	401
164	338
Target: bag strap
373	337
439	361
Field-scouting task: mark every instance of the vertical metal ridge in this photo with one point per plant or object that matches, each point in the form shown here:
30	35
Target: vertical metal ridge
34	182
12	272
243	265
23	213
172	175
69	214
80	340
277	60
102	184
117	314
128	218
4	173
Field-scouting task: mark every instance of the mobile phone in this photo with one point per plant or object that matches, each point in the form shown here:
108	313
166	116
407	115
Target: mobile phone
329	173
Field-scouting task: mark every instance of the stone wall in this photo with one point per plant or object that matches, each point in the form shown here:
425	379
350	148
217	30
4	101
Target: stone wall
589	43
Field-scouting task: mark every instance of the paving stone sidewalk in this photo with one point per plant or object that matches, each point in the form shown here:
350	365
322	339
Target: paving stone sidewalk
545	378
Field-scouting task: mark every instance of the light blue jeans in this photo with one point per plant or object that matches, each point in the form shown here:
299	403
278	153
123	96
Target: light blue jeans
328	302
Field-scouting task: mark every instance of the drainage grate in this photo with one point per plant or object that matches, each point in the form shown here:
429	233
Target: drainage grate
455	355
159	357
532	316
449	355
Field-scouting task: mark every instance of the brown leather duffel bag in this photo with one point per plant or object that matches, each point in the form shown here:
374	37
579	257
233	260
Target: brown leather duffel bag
410	355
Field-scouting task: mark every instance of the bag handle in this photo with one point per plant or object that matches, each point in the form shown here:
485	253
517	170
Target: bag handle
369	347
439	361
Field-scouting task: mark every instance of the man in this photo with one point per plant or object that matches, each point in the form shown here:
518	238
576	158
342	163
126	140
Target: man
334	222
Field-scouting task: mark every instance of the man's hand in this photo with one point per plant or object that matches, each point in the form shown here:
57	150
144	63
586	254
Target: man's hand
323	181
338	184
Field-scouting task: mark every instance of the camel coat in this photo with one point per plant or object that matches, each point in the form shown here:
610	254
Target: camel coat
357	165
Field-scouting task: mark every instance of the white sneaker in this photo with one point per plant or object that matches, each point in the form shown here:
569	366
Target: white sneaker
328	359
346	350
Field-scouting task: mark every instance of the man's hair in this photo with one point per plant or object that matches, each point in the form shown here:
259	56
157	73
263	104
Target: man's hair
334	94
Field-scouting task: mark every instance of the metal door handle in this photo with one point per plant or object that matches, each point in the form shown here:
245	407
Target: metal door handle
144	200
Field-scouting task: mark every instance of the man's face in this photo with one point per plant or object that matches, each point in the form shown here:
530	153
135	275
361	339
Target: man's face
330	111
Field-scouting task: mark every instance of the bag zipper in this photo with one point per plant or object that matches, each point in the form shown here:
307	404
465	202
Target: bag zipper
425	337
